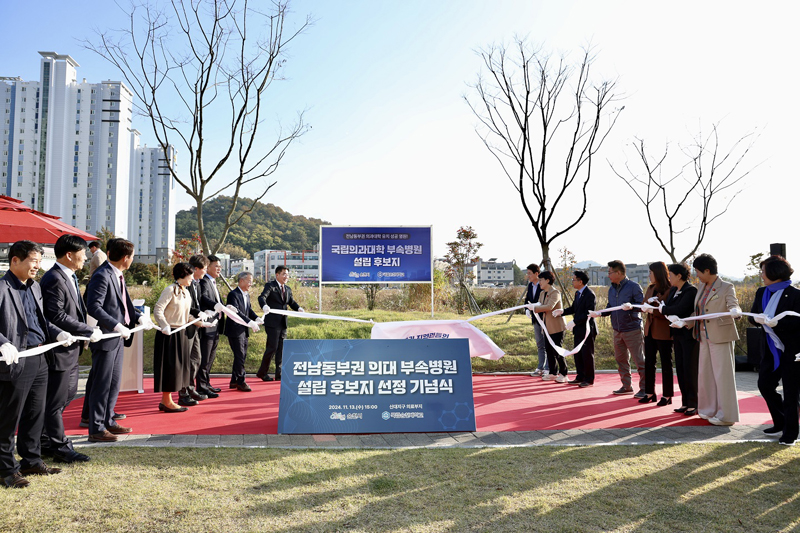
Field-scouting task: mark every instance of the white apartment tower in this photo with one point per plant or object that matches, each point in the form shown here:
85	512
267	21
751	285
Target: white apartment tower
67	151
151	218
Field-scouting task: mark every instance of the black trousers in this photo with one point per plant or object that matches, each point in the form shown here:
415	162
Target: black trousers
653	347
62	385
584	360
102	397
239	348
784	410
22	403
686	360
208	352
274	348
553	357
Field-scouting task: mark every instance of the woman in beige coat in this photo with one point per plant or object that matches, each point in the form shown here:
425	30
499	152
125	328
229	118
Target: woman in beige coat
549	300
716	383
171	351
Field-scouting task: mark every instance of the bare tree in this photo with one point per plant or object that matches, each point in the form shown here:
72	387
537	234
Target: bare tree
200	71
690	198
544	121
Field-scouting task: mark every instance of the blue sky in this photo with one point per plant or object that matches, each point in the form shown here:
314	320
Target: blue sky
393	143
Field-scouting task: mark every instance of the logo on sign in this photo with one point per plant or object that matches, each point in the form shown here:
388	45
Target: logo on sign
338	416
385	415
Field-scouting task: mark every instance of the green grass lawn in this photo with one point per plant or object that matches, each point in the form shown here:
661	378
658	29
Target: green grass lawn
749	487
514	337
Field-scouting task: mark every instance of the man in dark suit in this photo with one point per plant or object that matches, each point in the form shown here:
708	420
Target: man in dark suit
107	300
531	297
238	335
276	295
23	380
209	337
64	307
585	301
189	395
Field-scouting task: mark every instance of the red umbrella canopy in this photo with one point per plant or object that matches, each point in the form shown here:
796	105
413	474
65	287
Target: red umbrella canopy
20	222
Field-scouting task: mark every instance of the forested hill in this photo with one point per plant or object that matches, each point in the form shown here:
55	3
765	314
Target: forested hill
266	227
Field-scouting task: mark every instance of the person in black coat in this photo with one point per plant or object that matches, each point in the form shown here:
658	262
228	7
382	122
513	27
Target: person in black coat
209	337
780	346
680	303
64	307
23	380
276	295
238	335
584	302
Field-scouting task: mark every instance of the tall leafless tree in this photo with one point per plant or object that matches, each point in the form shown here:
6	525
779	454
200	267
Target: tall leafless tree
690	198
200	71
544	120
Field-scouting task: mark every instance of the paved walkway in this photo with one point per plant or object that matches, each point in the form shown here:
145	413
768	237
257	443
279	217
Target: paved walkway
745	382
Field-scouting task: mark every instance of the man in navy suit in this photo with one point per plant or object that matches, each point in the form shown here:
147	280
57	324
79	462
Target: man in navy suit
209	337
23	380
239	301
64	307
585	301
276	295
107	300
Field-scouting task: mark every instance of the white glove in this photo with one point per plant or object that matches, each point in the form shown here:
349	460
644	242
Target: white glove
557	312
65	339
528	313
772	322
9	354
260	321
124	332
736	312
648	310
761	319
532	306
253	325
166	330
677	324
202	315
266	309
595	314
145	321
570	325
96	335
652	299
301	310
627	306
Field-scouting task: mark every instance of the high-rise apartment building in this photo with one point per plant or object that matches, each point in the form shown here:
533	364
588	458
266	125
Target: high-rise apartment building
68	151
151	217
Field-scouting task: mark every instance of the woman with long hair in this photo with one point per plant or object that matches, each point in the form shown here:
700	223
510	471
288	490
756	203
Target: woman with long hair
657	339
171	370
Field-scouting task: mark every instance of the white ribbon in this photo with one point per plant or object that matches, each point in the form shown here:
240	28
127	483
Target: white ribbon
236	318
47	347
710	316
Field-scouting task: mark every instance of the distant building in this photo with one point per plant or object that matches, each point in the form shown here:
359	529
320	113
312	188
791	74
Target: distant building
303	266
67	150
492	273
241	265
151	220
637	273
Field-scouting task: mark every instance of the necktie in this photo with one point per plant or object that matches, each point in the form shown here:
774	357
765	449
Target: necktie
283	292
124	299
78	292
577	297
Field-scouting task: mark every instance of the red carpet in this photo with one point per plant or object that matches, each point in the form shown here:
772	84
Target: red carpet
502	403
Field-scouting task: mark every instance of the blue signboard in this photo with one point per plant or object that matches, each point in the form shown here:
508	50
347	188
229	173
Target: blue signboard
353	254
376	386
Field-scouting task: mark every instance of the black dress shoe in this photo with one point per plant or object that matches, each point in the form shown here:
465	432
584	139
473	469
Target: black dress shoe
162	407
70	456
664	401
15	481
277	377
773	430
208	393
681	409
215	389
40	469
194	395
690	412
265	377
187	401
119	416
648	399
586	384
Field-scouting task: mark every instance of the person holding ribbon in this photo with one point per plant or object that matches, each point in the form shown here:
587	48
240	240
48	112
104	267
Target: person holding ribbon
716	382
584	303
680	304
171	354
657	339
780	345
549	301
